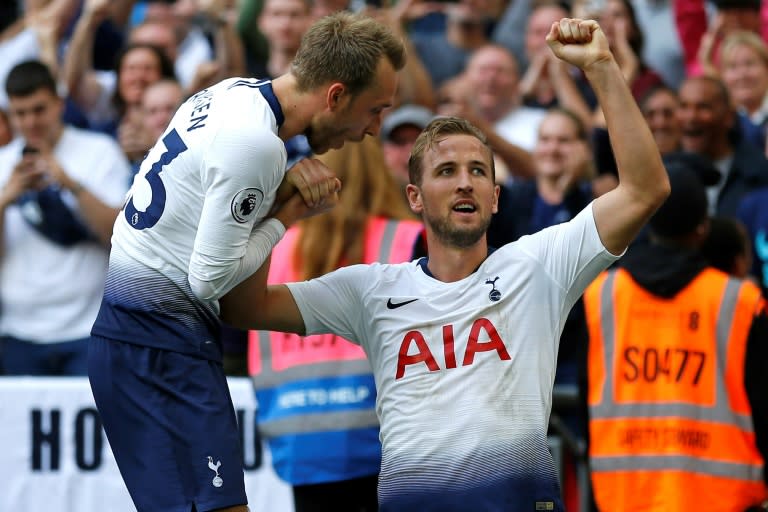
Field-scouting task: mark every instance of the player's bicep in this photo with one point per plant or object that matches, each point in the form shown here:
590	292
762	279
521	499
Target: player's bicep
280	312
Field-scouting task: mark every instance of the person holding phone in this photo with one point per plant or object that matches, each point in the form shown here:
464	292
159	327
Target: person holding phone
60	190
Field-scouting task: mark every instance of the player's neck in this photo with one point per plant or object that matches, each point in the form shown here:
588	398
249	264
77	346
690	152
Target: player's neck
449	263
298	107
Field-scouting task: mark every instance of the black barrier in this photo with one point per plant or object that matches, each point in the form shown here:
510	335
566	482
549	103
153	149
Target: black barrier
562	439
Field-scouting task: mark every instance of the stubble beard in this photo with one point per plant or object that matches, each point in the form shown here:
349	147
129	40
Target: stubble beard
451	234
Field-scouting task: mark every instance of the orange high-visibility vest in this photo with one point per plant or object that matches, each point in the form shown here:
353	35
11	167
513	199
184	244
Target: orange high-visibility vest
670	425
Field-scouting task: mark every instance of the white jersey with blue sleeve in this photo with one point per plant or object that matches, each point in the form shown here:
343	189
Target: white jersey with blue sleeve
464	370
195	207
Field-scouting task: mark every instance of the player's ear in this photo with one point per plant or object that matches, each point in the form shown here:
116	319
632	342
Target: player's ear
335	95
495	206
414	198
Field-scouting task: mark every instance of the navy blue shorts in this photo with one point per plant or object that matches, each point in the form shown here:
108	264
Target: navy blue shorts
171	425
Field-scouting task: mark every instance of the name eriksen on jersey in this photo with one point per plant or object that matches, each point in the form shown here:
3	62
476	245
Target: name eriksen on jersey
200	103
423	354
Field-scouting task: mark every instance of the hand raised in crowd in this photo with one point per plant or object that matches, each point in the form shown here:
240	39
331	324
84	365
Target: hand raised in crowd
96	10
579	42
455	101
629	62
536	72
44	163
223	10
53	171
133	138
409	10
27	174
710	40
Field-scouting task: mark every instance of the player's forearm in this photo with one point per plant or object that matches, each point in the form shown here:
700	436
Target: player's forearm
641	172
211	279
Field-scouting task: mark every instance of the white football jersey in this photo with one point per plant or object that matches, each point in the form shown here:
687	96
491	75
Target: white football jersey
464	370
200	193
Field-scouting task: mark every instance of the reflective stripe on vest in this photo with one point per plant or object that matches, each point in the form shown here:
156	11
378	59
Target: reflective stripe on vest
668	430
677	462
608	408
386	241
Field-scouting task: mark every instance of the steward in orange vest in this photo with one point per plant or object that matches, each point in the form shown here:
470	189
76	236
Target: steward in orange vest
676	372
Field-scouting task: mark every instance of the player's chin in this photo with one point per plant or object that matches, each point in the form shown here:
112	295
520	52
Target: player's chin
321	147
318	147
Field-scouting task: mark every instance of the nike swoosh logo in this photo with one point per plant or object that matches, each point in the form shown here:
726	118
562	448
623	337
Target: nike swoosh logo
395	305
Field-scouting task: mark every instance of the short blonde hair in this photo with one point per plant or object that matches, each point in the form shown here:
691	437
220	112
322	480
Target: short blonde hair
744	38
436	131
347	48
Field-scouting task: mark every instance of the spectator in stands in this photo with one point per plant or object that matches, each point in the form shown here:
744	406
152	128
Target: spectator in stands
727	247
677	378
618	21
659	107
92	91
487	95
743	68
709	128
399	131
753	213
33	34
210	48
159	102
548	81
445	53
107	104
329	450
60	190
322	8
282	22
662	50
561	185
701	34
511	30
415	84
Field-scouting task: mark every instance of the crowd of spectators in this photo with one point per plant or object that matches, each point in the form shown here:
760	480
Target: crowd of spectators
88	86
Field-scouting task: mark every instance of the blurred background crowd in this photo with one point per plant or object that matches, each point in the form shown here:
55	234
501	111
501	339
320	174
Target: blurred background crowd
88	86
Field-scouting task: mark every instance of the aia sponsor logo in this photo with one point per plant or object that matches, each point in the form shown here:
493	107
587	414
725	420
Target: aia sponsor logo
414	349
